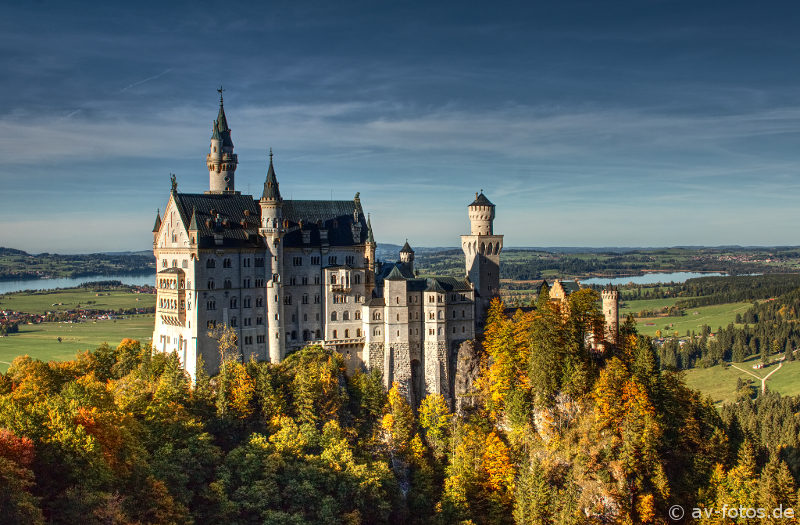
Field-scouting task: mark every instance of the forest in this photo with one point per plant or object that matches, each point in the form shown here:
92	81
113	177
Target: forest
555	432
17	264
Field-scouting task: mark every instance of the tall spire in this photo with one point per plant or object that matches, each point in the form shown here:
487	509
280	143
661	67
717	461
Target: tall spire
222	122
157	227
193	222
370	236
271	191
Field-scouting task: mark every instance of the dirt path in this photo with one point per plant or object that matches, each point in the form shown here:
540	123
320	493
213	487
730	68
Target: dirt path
762	379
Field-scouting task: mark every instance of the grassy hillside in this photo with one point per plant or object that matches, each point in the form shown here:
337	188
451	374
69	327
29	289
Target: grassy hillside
44	301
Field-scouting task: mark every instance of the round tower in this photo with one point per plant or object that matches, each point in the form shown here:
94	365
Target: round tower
221	160
272	231
407	256
481	216
611	314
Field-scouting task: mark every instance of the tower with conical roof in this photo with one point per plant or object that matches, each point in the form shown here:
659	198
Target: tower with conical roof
407	256
482	253
221	160
272	230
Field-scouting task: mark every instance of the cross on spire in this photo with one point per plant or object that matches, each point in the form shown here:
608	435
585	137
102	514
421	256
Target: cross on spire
270	155
220	90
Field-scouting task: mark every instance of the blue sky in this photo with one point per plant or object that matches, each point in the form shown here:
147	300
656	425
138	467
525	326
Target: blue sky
614	123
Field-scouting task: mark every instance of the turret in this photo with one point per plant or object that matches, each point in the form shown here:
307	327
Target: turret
221	159
272	231
481	215
369	256
407	256
157	227
611	313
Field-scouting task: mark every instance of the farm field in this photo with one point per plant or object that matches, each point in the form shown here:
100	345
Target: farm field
39	340
720	383
714	316
631	307
42	302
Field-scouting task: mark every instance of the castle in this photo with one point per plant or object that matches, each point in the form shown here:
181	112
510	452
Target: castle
287	273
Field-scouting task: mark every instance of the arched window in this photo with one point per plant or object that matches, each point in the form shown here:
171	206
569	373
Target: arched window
358	316
346	316
454	329
398	300
454	314
185	263
246	302
440	330
259	301
226	263
463	313
211	284
233	303
234	322
174	263
333	316
463	328
227	283
441	314
287	299
211	263
294	335
319	334
211	304
305	335
334	334
358	332
357	278
333	278
347	334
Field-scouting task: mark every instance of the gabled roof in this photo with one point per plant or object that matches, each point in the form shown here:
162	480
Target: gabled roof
238	229
389	268
337	217
157	227
481	200
434	286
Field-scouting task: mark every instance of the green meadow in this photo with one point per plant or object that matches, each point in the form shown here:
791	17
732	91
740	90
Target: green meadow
714	316
41	340
41	302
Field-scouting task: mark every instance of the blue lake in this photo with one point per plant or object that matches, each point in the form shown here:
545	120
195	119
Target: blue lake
650	278
49	284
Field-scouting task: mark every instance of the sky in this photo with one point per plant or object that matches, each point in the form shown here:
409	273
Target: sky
614	123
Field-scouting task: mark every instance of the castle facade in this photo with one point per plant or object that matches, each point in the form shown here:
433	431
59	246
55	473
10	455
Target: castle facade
288	273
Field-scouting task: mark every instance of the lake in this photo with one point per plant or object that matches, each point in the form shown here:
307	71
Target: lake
65	282
650	278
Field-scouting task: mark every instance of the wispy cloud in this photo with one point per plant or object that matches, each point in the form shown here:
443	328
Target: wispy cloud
147	79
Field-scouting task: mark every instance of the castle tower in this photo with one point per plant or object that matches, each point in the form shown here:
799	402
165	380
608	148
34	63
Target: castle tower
272	231
611	313
482	253
369	259
407	256
221	159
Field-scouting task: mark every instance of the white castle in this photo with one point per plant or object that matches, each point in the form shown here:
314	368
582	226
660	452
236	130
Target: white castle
288	273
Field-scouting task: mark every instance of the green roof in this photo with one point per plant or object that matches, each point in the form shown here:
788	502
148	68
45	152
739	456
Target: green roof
271	191
395	275
406	248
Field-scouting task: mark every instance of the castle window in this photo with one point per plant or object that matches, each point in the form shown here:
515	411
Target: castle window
454	314
211	263
275	277
163	263
248	321
347	334
416	315
430	299
334	334
316	279
276	298
211	325
305	280
297	261
440	331
398	317
430	315
463	313
315	260
409	331
233	303
416	331
410	316
259	262
333	316
441	315
332	260
305	317
319	335
358	316
358	332
304	300
246	283
185	263
454	329
174	263
316	298
346	316
259	320
357	278
211	304
333	279
463	328
227	283
294	318
398	301
292	281
317	316
376	332
277	335
211	284
246	262
248	340
431	331
259	283
234	322
359	298
349	259
454	298
287	299
226	263
260	339
259	301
